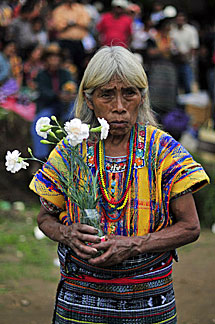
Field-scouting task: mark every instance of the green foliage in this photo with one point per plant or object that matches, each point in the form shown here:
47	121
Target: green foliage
4	113
80	184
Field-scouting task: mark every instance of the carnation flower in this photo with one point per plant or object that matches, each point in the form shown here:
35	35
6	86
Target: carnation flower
76	131
104	129
14	162
43	121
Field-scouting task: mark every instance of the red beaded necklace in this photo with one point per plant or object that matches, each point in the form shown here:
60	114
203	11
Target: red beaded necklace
110	203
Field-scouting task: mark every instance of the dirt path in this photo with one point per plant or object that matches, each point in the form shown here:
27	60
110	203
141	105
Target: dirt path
32	302
195	281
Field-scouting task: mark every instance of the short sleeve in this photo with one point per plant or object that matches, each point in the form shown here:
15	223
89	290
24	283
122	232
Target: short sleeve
179	170
49	181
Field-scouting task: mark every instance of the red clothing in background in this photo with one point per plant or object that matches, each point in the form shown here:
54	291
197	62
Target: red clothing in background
114	31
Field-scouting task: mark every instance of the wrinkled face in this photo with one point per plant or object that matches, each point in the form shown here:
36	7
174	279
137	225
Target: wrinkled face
118	103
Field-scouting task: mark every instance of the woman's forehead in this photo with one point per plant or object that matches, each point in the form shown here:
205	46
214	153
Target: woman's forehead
116	81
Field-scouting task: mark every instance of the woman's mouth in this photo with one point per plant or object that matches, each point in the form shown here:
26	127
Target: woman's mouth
118	123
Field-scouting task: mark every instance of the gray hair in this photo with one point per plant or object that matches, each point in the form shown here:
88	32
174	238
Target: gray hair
104	65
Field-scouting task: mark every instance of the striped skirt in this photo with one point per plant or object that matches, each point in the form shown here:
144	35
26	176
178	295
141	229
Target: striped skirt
138	291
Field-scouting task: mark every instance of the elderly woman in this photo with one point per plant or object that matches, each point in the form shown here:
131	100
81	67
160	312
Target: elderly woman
147	208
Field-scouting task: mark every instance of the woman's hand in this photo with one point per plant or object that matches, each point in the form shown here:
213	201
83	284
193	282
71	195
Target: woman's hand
117	249
77	236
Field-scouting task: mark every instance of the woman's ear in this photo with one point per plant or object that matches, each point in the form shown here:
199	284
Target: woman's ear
142	99
89	102
143	96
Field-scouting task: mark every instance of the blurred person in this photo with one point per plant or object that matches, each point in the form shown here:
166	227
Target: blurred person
99	5
162	73
157	13
147	37
138	34
50	26
203	65
210	45
8	84
32	66
165	44
35	7
71	22
93	12
10	51
115	27
69	65
21	31
5	67
186	39
52	100
89	41
39	31
6	14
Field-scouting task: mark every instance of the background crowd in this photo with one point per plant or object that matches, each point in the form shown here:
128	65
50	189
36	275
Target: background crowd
46	45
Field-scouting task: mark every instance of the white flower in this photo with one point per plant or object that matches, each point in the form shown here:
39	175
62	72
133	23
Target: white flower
105	128
43	121
14	163
76	131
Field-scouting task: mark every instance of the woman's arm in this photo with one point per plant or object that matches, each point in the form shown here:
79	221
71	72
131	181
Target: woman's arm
75	236
186	229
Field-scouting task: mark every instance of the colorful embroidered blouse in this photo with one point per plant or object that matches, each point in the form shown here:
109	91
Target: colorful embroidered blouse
162	170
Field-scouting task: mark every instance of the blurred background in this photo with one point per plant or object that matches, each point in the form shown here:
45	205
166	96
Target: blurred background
175	42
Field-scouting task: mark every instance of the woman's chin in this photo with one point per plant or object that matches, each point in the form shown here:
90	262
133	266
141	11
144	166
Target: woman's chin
119	131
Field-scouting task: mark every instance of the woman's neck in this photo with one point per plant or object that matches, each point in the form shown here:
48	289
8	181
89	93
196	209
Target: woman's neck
116	145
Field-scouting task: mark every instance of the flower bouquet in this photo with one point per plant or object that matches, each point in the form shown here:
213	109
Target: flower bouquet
80	187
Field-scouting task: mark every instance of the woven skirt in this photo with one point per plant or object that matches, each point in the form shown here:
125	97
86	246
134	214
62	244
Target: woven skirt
138	291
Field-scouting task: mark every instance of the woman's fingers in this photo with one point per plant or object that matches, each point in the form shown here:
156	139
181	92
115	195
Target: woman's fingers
80	238
116	250
84	228
84	251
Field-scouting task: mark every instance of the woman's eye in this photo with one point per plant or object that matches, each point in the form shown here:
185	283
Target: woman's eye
106	95
130	92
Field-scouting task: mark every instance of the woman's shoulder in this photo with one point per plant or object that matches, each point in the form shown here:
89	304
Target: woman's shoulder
63	148
155	139
152	131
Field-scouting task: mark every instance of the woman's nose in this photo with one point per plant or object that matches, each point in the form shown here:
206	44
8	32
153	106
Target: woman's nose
119	104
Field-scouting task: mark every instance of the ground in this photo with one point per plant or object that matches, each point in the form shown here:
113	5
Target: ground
31	301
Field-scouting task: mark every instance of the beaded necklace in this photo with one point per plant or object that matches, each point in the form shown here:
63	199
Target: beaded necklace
109	203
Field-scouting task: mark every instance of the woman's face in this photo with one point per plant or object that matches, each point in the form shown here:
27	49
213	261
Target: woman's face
118	103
